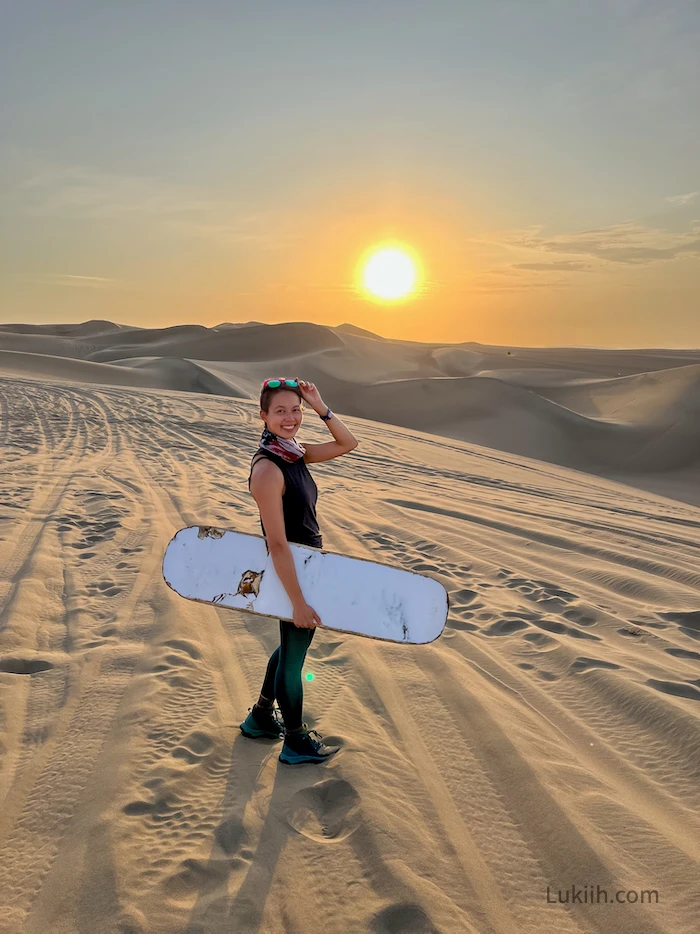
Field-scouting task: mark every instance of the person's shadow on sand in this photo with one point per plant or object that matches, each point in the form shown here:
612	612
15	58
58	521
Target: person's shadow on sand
311	800
307	799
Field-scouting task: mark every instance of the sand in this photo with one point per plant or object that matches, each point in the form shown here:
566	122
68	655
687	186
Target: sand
549	738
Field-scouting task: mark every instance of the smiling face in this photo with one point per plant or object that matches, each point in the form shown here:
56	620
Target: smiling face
285	410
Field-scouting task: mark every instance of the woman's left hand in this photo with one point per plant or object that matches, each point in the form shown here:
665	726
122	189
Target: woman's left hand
310	394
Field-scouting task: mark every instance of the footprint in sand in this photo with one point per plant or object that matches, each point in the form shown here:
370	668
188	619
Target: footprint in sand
582	663
176	666
675	688
553	592
505	627
402	918
688	622
165	809
552	626
579	615
328	811
632	633
539	639
323	649
464	596
522	585
423	568
231	835
461	624
194	748
24	666
106	587
173	660
183	645
684	653
193	875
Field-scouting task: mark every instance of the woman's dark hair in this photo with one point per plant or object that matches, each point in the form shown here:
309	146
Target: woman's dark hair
268	394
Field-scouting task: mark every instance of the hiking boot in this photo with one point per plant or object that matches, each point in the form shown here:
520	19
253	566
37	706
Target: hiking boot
303	747
263	721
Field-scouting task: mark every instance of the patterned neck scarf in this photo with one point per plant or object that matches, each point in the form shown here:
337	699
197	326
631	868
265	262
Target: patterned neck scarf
288	449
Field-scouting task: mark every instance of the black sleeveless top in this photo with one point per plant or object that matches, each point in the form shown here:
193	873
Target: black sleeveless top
298	500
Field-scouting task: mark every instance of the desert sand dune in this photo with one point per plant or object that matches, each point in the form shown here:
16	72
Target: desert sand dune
630	415
549	738
245	345
84	328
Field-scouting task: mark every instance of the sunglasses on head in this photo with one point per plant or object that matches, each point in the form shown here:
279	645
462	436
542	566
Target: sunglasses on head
274	383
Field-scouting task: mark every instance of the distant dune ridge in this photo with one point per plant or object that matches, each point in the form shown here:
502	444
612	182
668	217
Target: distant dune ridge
549	739
614	412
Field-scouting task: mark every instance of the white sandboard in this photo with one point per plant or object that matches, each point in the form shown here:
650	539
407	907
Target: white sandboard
353	595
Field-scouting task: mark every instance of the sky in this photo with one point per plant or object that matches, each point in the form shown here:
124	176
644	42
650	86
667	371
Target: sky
167	162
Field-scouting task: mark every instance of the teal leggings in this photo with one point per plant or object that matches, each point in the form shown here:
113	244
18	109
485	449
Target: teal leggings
283	675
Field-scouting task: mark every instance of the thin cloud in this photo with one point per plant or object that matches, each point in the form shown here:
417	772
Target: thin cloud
555	286
627	244
680	200
90	278
563	266
81	192
75	281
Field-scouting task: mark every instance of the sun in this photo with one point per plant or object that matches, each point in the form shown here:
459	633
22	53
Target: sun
389	272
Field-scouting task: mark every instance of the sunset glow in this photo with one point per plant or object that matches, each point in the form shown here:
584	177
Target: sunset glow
459	174
389	273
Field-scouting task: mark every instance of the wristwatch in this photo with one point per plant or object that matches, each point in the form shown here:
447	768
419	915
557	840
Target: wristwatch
327	416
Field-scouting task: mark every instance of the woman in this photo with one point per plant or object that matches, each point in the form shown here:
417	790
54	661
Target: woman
286	496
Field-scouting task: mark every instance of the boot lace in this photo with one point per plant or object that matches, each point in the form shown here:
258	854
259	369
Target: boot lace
317	743
277	717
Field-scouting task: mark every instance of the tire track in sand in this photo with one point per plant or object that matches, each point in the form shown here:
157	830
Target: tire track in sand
43	804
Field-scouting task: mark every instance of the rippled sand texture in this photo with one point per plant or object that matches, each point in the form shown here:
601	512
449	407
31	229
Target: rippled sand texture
550	737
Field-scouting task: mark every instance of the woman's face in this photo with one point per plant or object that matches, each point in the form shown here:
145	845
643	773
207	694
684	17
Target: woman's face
285	415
